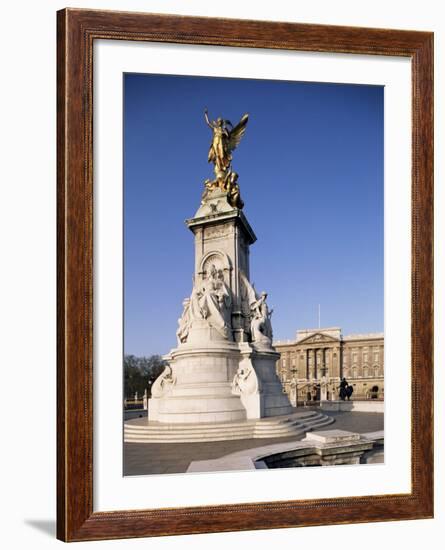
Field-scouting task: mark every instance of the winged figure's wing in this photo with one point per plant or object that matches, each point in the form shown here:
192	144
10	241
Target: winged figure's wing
237	133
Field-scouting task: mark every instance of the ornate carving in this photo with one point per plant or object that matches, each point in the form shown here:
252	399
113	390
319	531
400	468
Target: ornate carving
217	258
256	310
212	261
215	231
211	301
245	381
163	383
185	322
261	326
319	337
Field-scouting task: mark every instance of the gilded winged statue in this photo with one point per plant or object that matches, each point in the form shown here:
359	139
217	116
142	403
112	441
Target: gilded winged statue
226	138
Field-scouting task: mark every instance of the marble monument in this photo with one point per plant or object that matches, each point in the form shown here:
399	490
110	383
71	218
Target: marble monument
223	367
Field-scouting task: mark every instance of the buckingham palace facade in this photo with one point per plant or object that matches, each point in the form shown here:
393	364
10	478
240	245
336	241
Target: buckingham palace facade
312	366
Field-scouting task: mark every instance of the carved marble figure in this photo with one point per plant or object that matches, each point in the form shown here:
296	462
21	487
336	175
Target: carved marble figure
256	312
261	325
184	322
245	381
211	302
164	383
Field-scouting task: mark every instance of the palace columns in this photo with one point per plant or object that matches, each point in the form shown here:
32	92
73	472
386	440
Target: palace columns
312	359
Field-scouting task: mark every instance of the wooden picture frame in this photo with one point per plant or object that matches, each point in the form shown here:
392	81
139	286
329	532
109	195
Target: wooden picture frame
77	31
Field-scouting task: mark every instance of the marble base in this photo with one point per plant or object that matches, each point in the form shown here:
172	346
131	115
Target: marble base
199	385
200	390
270	399
294	425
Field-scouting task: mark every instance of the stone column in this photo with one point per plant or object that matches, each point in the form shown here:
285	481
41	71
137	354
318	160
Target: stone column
222	238
334	361
312	359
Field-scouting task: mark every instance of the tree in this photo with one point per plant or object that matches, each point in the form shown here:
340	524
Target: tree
140	373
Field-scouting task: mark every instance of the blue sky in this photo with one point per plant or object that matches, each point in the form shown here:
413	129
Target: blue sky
311	175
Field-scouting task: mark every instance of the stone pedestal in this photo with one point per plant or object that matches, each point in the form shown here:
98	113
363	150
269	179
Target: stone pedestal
222	239
199	386
218	383
263	396
223	369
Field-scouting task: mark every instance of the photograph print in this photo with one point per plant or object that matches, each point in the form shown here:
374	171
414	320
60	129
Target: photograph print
253	274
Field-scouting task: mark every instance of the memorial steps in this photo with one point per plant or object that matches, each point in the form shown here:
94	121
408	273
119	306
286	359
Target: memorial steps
295	425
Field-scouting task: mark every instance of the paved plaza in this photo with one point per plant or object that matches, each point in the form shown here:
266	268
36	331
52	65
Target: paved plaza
174	458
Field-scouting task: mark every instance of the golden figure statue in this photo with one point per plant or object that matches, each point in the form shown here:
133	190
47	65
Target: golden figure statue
226	138
228	184
233	192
